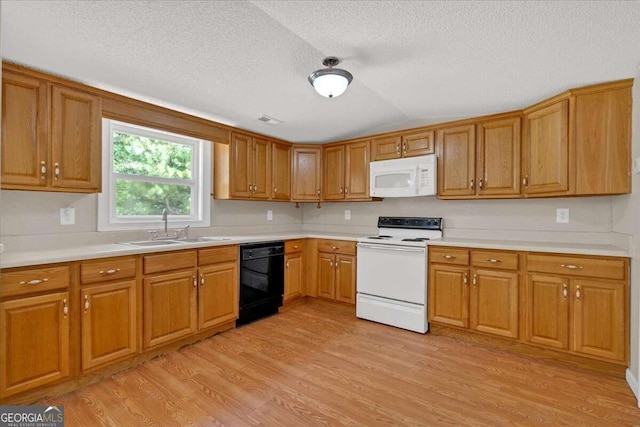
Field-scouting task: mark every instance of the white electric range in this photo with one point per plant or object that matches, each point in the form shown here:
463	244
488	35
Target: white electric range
392	272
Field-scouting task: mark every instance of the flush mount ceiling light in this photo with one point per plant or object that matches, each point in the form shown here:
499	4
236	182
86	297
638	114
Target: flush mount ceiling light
330	82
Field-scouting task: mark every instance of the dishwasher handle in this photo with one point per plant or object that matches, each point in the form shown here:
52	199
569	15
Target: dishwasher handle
391	248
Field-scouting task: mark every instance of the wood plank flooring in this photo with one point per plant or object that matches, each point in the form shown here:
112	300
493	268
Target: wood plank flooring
316	364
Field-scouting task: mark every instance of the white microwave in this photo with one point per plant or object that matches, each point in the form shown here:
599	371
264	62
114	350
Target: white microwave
408	177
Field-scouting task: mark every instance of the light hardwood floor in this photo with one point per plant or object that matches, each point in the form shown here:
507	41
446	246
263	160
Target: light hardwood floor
316	364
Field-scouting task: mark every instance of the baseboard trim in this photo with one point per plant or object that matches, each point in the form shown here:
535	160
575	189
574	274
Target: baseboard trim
633	384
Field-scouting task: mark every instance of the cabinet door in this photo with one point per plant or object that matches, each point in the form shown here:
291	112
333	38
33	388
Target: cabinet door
293	276
345	266
281	171
326	276
34	345
498	171
241	160
599	315
24	132
449	295
306	173
456	161
548	302
546	154
261	168
333	173
417	144
76	120
357	171
494	302
218	294
109	326
169	307
386	148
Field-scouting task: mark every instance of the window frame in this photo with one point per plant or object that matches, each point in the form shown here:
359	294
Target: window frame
200	181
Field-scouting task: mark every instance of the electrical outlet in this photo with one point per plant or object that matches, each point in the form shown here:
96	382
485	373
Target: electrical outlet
67	216
269	215
562	215
347	215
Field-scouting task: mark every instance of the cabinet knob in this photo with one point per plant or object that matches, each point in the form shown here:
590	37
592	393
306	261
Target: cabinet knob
346	190
475	280
201	279
480	184
318	191
65	307
340	190
295	246
56	171
494	260
110	271
448	257
43	170
472	184
287	265
398	148
404	147
275	189
464	279
331	263
334	247
578	293
565	291
525	181
87	305
571	266
195	282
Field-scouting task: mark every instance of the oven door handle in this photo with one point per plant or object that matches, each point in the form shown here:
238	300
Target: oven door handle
390	248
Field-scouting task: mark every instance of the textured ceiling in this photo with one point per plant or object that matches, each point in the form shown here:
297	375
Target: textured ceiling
413	62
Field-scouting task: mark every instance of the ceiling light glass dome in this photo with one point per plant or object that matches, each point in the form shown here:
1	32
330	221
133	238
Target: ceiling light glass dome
330	82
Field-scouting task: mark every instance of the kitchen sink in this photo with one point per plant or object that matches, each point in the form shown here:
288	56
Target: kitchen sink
146	243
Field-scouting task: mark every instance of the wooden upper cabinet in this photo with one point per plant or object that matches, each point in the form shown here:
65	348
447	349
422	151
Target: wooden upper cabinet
241	162
307	167
51	136
545	160
386	148
333	172
281	171
24	131
498	158
418	144
456	161
261	169
357	171
603	138
75	139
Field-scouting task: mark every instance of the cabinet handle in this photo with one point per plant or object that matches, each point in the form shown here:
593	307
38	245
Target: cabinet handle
464	279
578	292
480	183
318	191
448	257
404	147
472	183
195	282
475	280
571	266
86	303
110	271
336	265
565	291
65	307
287	265
346	190
295	246
334	247
56	171
494	260
340	190
201	279
525	181
34	281
275	189
43	170
398	148
331	264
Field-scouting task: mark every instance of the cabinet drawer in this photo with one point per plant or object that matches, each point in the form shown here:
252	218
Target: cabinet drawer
605	268
291	246
33	280
337	246
219	254
107	269
453	256
495	259
169	261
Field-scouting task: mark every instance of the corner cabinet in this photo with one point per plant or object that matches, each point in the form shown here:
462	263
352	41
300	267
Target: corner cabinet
51	136
307	173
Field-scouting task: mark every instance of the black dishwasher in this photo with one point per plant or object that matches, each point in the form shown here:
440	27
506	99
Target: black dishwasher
261	280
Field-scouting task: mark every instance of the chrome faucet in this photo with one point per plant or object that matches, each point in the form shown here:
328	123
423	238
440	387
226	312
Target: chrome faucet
166	221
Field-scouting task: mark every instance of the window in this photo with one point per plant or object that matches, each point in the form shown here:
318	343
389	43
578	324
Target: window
146	171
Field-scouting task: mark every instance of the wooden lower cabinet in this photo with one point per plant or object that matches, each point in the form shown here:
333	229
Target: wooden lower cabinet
218	294
337	277
34	343
294	274
169	307
449	295
494	302
109	323
548	302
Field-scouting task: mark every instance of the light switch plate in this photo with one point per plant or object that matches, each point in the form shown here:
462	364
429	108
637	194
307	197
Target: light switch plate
562	215
347	215
67	216
269	215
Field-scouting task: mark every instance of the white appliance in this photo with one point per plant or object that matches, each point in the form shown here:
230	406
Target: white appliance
407	177
392	272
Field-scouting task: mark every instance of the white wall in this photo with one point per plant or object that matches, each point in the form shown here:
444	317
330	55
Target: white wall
626	219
